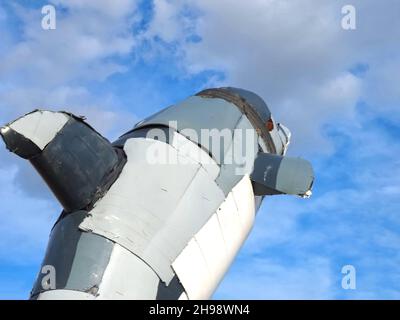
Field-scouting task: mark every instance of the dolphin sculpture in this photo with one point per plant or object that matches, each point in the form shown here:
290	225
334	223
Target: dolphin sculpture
162	212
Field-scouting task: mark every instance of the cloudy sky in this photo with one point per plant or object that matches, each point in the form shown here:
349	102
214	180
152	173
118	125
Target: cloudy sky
337	90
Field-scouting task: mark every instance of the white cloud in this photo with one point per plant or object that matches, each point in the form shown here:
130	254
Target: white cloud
25	225
345	222
166	23
85	37
52	69
296	55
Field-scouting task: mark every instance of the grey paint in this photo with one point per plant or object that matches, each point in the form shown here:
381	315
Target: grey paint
156	216
249	104
275	174
197	113
164	134
229	176
295	176
77	164
79	258
171	292
19	144
254	100
80	167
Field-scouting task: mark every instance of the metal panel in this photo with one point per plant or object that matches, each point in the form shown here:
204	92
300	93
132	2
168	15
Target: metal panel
78	258
244	199
184	146
199	202
295	176
76	162
212	245
78	165
18	144
192	271
249	104
128	277
231	226
183	296
189	149
208	255
170	136
154	209
157	132
265	174
245	144
174	291
275	174
254	100
196	114
64	295
40	126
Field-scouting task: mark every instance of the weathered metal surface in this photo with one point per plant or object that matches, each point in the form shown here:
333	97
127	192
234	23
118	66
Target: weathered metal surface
194	116
210	252
275	174
155	216
249	104
162	212
79	258
240	156
40	126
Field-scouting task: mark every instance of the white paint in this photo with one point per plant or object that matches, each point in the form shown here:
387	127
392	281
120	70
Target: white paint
40	127
212	245
127	277
231	226
183	296
192	271
277	140
202	264
4	130
154	210
191	150
281	136
244	198
285	136
65	295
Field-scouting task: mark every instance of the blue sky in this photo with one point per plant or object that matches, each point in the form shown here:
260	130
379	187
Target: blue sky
337	90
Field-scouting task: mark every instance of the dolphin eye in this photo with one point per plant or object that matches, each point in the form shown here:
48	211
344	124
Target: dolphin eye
270	125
